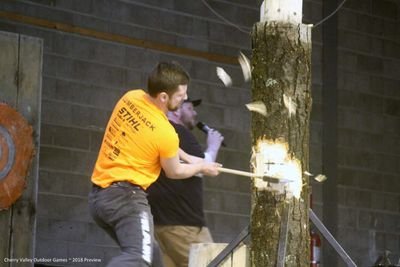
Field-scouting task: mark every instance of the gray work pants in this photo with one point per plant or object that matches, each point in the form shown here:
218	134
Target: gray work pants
123	212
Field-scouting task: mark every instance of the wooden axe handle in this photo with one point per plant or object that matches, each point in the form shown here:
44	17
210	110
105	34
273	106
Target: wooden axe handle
241	173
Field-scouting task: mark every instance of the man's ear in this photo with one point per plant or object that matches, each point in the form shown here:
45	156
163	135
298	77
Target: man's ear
163	97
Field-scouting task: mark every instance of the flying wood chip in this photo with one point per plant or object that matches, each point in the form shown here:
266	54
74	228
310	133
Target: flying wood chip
16	151
245	65
320	178
257	106
224	77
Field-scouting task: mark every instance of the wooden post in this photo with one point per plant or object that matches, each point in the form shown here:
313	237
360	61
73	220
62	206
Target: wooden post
20	87
281	79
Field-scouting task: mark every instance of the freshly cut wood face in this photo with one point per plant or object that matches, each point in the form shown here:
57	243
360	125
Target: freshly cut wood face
272	158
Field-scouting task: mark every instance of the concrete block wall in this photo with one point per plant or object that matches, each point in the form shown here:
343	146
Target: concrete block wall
84	75
369	129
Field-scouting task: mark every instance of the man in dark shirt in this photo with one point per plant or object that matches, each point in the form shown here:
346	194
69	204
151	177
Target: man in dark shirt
177	205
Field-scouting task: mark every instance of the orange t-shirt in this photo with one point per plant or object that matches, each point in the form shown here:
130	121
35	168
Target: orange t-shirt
137	135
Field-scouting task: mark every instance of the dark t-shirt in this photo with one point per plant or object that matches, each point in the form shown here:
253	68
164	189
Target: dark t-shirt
179	202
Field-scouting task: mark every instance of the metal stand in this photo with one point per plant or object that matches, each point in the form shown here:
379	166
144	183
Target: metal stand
314	219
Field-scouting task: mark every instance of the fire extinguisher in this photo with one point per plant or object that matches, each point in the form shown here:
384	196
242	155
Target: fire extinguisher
315	249
315	245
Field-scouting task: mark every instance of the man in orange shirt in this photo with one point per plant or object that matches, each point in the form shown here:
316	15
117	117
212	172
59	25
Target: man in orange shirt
137	143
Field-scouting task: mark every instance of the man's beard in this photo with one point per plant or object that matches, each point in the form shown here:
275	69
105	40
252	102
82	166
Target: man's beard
172	108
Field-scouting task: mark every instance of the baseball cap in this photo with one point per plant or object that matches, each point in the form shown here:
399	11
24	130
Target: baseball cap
195	102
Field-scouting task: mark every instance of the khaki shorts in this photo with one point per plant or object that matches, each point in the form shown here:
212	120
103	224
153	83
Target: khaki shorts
175	241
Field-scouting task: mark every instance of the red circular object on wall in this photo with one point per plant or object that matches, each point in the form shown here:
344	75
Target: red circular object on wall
16	152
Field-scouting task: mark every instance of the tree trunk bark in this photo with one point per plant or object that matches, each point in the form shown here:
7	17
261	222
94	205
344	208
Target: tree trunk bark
281	79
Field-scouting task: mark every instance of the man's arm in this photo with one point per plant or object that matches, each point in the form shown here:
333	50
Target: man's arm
174	169
187	158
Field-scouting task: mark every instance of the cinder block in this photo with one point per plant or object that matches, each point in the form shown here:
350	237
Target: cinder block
347	59
386	202
190	42
61	230
370	64
48	87
212	115
356	42
385	8
225	201
141	59
348	177
134	80
356	198
235	160
96	138
62	183
228	182
204	71
182	25
74	5
67	160
97	74
195	8
51	248
391	222
388	163
348	218
238	118
228	50
391	183
389	48
56	112
391	125
89	49
66	136
83	93
50	63
390	68
226	226
371	220
73	208
88	116
236	140
392	107
234	97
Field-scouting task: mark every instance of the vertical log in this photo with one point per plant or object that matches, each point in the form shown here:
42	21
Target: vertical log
281	78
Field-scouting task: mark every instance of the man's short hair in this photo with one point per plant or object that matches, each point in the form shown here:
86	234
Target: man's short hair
166	77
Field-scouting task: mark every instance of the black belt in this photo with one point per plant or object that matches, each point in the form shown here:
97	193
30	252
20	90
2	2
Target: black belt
120	183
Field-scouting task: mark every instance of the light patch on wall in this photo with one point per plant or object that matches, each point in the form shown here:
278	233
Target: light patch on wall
272	159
